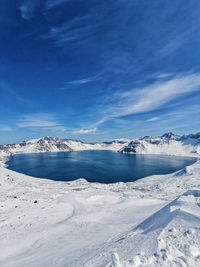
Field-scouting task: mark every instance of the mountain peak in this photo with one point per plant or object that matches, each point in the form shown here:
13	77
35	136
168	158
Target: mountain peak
169	135
49	138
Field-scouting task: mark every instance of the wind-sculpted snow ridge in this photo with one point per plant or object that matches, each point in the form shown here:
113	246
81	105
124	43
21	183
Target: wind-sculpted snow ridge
170	237
169	143
154	221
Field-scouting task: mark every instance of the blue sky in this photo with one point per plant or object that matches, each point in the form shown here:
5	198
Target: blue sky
98	70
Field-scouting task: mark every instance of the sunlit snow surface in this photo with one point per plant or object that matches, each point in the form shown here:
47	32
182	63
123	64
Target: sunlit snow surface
154	221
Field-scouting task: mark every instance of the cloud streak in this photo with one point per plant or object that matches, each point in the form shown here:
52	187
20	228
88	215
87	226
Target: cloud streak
85	131
8	90
153	119
80	28
152	97
4	128
41	122
27	9
83	81
54	3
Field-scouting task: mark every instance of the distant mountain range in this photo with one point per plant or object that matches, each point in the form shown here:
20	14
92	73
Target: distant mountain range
51	144
169	143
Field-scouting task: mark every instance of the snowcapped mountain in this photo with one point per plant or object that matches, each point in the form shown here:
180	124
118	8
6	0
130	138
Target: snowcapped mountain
51	144
169	143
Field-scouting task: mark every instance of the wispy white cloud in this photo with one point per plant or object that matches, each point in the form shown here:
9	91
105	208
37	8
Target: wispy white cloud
27	9
11	92
162	76
80	28
153	119
151	97
41	122
83	81
53	3
171	46
85	131
5	128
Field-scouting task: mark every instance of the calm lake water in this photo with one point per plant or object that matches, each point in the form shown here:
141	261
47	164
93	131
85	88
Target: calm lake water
95	165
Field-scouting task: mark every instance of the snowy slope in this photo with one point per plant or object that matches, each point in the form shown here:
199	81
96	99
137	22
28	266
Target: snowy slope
170	237
69	223
154	221
47	223
185	145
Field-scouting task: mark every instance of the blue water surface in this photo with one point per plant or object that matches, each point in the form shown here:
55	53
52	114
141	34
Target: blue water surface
95	165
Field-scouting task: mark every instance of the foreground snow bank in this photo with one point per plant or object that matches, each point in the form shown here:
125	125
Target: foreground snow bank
170	237
154	221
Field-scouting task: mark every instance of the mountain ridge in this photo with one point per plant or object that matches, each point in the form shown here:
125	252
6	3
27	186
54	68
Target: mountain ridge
168	143
53	144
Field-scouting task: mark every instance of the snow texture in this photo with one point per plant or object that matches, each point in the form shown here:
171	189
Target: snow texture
154	221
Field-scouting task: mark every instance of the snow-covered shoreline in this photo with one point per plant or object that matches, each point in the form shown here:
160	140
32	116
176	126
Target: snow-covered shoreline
154	221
